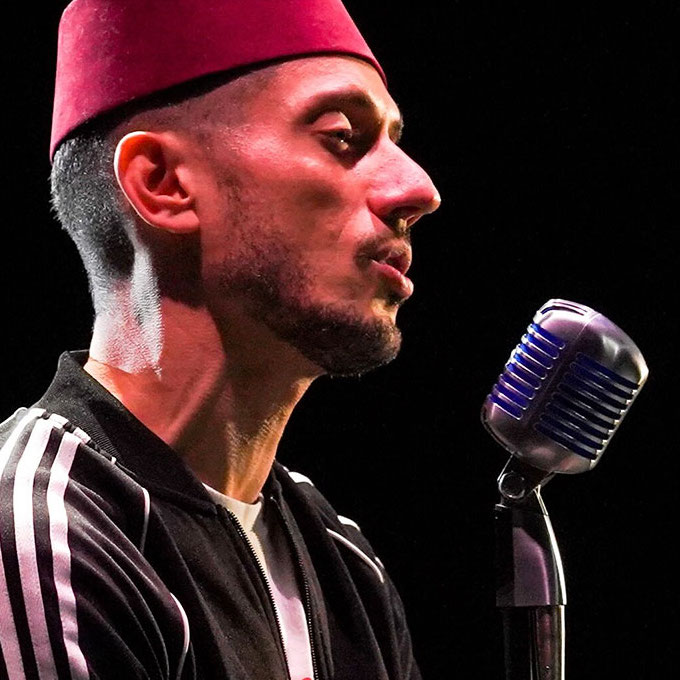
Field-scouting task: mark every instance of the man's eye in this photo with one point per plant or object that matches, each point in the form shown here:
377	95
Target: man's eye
343	138
338	133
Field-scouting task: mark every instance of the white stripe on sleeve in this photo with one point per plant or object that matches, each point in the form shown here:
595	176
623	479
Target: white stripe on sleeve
61	553
26	554
27	557
145	526
187	637
9	640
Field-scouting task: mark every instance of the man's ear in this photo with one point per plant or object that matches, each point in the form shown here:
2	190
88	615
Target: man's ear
150	174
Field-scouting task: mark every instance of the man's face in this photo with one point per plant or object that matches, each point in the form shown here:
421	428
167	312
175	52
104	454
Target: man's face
307	227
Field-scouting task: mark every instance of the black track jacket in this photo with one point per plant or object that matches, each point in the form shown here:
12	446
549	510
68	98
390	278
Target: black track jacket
116	564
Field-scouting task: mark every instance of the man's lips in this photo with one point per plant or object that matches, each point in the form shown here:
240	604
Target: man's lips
397	256
401	285
391	261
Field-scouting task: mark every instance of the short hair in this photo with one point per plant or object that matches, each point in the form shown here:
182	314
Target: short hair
89	206
85	196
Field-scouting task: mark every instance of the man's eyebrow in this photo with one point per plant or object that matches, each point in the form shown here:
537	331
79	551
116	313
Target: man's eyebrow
354	98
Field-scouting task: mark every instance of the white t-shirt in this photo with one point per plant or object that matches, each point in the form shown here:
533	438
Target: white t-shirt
266	535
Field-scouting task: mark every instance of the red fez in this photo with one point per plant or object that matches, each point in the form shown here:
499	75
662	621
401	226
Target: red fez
114	51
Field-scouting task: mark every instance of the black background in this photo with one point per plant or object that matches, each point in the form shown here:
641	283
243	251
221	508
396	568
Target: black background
550	133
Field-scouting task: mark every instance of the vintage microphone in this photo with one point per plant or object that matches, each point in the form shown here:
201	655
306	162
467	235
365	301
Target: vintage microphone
562	395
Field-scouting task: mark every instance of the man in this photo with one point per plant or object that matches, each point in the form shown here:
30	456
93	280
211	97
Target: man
230	173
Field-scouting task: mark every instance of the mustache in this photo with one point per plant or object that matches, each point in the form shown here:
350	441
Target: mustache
370	247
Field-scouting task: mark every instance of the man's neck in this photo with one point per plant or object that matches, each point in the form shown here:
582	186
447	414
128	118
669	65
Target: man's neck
220	400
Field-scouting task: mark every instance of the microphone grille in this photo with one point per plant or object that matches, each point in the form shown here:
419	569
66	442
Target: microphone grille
586	407
525	373
565	388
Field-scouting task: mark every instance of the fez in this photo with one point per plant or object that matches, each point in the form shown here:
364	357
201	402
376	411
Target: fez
111	52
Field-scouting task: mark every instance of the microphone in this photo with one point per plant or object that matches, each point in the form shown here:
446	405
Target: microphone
565	389
563	393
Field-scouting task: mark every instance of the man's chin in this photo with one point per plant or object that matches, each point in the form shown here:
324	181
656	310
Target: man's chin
337	340
361	351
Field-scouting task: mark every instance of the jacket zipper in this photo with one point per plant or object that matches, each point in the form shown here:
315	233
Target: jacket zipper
307	593
242	533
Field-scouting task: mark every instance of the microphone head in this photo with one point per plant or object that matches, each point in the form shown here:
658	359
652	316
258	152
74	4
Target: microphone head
565	389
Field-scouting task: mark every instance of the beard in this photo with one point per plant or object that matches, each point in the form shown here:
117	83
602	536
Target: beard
271	279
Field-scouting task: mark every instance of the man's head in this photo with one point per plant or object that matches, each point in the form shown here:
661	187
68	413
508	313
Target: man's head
285	189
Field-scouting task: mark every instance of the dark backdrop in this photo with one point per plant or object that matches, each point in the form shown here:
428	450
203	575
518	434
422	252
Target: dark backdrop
549	132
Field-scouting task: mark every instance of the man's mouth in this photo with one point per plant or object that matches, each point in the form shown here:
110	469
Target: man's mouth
391	261
396	256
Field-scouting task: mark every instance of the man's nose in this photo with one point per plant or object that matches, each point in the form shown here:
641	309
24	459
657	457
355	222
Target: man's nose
402	192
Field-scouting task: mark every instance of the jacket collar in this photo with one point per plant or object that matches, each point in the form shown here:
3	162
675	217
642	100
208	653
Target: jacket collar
77	396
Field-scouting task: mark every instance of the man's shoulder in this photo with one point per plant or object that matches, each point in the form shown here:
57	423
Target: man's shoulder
36	434
47	439
8	425
46	461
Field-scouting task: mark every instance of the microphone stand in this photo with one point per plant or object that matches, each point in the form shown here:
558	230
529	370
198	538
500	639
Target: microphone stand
530	588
